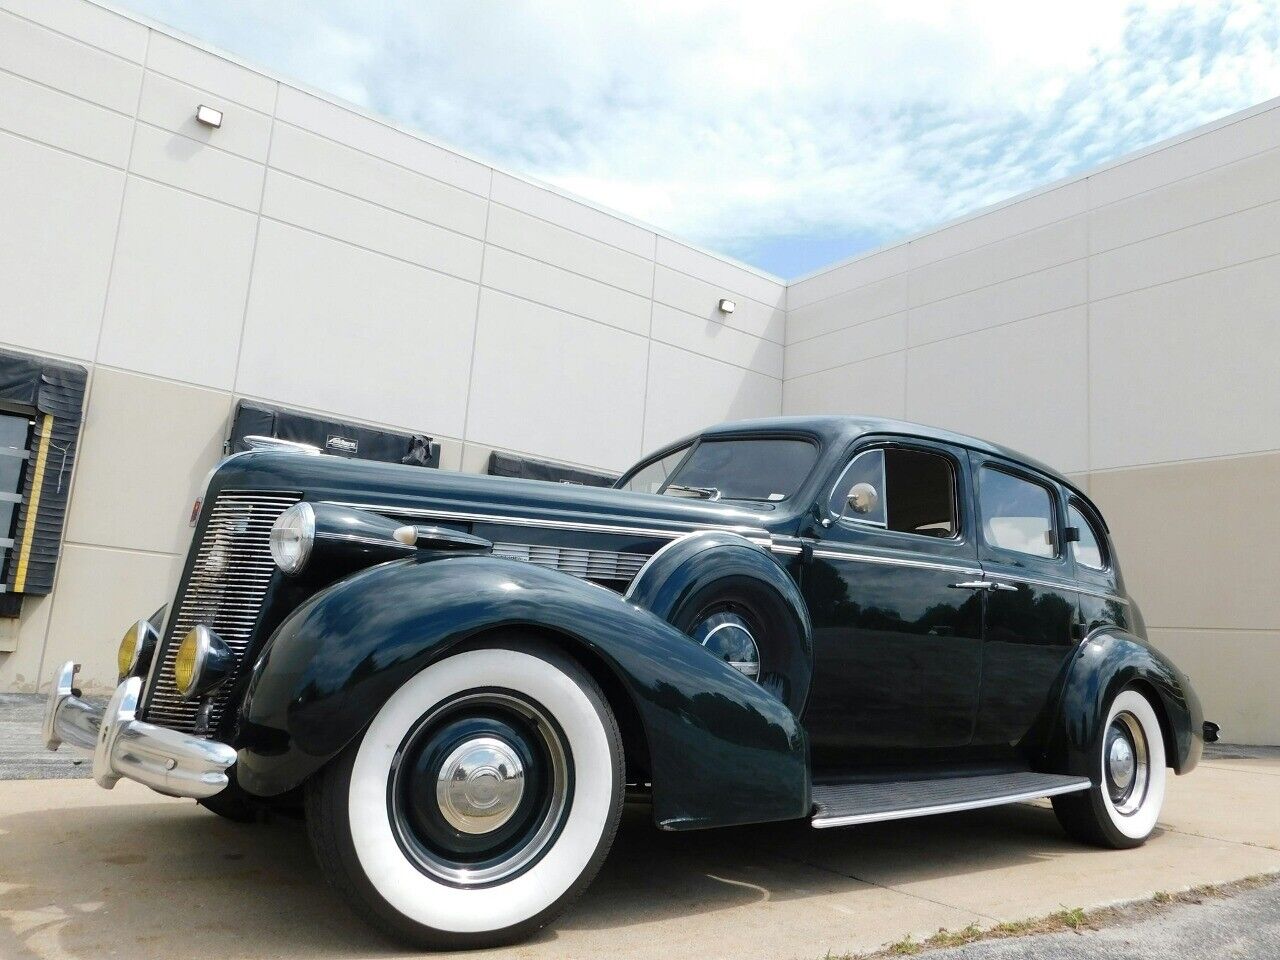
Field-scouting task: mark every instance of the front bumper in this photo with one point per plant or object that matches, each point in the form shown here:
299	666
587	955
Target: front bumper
165	760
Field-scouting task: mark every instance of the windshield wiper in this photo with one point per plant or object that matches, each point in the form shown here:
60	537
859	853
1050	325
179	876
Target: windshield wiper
702	493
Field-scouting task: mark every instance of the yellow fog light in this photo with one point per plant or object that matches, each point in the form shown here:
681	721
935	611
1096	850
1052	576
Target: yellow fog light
133	656
203	661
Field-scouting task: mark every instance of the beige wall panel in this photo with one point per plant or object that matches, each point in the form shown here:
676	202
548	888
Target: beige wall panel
713	339
702	299
59	120
88	22
1218	143
100	592
1023	384
688	392
381	139
1217	193
336	328
1236	674
178	287
1208	246
372	227
84	71
1197	541
870	339
565	387
1007	220
534	280
848	309
21	670
712	269
563	248
220	76
171	105
863	270
379	181
60	215
1003	260
1030	295
573	215
197	167
872	388
1186	369
145	448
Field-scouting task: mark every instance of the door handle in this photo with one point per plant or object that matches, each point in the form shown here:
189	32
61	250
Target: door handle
974	585
1008	587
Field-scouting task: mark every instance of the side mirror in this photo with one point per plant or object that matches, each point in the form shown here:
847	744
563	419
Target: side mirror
862	498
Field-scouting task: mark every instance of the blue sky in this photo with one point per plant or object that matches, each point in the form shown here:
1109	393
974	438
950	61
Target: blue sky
788	135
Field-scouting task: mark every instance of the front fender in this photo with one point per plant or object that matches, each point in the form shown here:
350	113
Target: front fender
721	749
1107	662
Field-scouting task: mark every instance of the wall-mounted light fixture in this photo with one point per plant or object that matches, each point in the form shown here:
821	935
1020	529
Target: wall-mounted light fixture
727	306
208	116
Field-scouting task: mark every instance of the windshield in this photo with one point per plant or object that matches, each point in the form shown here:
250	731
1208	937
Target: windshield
766	469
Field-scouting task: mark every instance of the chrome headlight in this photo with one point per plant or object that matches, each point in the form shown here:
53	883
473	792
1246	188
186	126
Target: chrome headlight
292	536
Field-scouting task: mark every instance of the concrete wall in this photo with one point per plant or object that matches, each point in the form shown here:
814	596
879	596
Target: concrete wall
310	255
1125	327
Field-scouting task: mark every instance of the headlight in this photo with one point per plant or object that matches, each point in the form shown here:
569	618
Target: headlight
292	536
136	647
203	661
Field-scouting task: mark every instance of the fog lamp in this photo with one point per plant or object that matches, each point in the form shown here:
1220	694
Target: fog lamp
292	536
133	656
204	660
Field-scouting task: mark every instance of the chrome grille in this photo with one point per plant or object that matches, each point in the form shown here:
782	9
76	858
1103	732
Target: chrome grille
588	564
224	591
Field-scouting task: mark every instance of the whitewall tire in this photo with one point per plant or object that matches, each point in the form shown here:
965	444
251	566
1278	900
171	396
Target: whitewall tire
1122	807
479	803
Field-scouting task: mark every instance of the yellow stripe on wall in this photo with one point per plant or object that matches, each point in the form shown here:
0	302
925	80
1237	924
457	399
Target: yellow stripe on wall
33	505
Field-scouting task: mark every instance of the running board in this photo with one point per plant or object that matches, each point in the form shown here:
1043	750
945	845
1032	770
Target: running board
846	804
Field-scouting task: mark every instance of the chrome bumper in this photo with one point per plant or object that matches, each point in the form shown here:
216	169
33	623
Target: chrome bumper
122	746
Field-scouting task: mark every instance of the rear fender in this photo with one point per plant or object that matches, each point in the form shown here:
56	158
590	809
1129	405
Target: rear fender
1105	663
722	751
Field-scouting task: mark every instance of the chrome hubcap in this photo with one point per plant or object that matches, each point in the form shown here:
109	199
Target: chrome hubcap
1125	764
480	785
728	635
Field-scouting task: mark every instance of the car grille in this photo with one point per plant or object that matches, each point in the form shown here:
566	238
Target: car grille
588	564
224	591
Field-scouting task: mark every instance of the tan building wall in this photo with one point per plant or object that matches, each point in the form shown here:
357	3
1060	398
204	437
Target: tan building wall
310	255
1124	327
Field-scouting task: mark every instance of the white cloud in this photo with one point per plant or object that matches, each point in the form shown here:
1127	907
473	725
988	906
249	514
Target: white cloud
740	124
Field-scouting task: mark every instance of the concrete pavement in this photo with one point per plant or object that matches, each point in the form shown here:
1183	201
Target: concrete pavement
90	873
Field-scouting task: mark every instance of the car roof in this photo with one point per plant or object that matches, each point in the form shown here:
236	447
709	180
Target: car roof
838	430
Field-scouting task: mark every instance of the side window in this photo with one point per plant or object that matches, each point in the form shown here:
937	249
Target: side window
911	491
650	479
1088	550
1017	514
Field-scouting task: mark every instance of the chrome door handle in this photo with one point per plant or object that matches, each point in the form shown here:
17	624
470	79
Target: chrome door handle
974	585
1002	586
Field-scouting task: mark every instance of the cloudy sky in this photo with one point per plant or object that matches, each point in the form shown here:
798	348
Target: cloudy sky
787	134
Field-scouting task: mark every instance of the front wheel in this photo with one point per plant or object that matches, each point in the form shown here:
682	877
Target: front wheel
480	802
1121	808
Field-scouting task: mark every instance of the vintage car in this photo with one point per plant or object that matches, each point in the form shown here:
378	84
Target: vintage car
461	678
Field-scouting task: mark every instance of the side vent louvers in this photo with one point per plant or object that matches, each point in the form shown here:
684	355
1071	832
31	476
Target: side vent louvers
589	564
224	590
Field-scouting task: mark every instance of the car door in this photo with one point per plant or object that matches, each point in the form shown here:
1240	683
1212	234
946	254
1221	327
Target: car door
1031	607
897	644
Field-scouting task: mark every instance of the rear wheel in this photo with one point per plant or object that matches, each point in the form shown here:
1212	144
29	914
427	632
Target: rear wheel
1121	809
479	803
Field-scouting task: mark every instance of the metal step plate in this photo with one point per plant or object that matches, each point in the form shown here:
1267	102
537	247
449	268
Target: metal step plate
845	804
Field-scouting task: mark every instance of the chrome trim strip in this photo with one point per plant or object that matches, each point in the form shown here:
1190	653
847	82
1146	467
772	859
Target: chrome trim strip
580	525
368	541
1058	585
822	823
897	561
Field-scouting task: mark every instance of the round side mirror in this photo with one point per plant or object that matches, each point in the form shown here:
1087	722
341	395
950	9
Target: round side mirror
863	498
